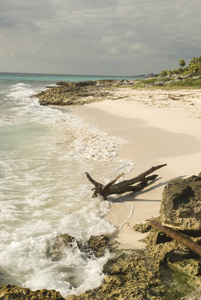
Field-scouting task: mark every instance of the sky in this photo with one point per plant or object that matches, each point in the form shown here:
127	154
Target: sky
98	37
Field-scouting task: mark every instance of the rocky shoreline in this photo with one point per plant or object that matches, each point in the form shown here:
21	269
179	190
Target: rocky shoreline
165	269
79	93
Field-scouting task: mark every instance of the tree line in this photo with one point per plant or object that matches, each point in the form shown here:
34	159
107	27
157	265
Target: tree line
194	68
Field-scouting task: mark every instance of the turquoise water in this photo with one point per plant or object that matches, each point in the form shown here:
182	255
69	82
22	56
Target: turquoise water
44	153
56	77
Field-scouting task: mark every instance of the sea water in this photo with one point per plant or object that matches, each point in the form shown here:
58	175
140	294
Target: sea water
44	192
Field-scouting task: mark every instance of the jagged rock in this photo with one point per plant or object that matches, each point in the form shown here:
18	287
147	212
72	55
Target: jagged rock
79	93
57	248
142	227
190	267
145	273
181	204
11	292
74	93
98	244
132	275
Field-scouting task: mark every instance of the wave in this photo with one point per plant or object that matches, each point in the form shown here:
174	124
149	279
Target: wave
44	192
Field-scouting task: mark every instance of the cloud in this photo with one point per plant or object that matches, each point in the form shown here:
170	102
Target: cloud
115	36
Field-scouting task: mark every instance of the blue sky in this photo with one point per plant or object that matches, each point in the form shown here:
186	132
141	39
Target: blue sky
98	37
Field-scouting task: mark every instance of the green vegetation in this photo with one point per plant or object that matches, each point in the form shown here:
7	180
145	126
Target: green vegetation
183	77
182	63
194	68
189	82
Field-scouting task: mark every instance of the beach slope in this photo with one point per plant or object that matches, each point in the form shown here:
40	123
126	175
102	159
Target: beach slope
158	130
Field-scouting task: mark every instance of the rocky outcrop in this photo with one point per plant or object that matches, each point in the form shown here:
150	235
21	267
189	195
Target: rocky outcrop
56	248
11	292
164	270
181	204
79	93
98	245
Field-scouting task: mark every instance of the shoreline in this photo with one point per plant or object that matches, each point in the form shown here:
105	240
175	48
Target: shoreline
155	135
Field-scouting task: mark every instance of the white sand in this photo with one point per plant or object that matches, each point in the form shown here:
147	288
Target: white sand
160	127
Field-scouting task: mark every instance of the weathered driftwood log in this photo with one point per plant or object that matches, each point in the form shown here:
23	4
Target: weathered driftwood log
177	236
122	187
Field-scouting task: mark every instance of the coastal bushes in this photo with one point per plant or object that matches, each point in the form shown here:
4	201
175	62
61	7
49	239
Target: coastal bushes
194	68
185	76
173	81
187	83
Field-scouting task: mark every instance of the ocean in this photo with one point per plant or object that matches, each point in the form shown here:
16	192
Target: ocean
44	192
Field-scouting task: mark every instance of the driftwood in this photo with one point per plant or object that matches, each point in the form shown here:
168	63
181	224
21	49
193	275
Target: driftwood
177	236
122	187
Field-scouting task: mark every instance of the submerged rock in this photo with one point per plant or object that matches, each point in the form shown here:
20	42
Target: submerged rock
98	244
181	204
57	247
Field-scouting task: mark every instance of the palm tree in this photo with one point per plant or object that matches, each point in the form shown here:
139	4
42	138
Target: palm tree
182	63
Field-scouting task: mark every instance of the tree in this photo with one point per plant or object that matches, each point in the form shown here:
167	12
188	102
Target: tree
182	63
193	61
194	68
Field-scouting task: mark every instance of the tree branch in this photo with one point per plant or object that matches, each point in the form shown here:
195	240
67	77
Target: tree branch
124	186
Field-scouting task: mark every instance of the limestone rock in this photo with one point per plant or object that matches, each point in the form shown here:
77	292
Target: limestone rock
11	292
181	204
98	244
79	93
73	93
57	248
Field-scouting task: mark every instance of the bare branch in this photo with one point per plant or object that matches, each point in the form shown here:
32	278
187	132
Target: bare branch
107	186
97	184
124	186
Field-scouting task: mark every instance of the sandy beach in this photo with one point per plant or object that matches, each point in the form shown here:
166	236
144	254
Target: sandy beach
160	127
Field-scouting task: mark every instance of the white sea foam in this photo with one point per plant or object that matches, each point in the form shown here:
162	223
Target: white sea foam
44	192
